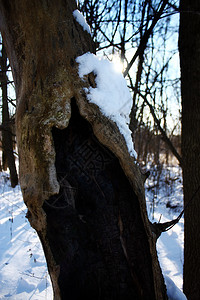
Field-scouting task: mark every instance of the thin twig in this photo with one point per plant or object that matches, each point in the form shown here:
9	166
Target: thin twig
158	228
146	36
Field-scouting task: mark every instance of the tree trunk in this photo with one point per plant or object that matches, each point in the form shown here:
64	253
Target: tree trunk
7	136
84	193
189	46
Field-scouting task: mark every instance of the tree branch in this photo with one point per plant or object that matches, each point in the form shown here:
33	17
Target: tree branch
158	228
162	131
146	36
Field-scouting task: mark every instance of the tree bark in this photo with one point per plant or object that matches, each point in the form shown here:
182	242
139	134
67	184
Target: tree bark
7	136
84	193
189	47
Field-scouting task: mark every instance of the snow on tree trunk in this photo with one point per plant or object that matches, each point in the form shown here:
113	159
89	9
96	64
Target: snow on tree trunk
84	192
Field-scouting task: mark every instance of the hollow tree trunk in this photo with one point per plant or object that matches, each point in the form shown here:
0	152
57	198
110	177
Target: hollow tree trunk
84	193
189	47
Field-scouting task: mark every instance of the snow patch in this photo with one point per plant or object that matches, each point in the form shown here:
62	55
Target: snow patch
170	244
23	269
173	292
111	93
81	20
24	286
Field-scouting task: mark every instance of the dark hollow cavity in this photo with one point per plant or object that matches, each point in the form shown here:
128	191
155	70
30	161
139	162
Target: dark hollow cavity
94	225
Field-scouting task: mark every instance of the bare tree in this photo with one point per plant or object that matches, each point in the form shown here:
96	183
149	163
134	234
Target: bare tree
189	47
144	27
7	134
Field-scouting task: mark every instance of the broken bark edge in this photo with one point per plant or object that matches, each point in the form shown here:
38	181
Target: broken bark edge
109	135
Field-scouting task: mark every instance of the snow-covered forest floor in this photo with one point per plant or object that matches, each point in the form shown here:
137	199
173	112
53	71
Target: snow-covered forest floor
164	196
23	271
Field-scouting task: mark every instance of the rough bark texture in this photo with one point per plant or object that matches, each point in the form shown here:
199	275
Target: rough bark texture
189	46
84	192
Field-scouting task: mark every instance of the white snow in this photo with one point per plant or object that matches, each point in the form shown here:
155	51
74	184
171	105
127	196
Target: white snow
23	271
111	93
173	292
81	20
170	244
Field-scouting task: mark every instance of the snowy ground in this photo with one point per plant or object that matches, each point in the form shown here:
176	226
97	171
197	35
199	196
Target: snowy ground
23	271
170	243
164	203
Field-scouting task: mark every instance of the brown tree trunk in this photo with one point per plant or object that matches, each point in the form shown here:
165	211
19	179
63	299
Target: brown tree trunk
189	46
84	193
7	136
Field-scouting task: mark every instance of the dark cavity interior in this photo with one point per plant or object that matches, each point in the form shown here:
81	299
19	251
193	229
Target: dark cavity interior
95	229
